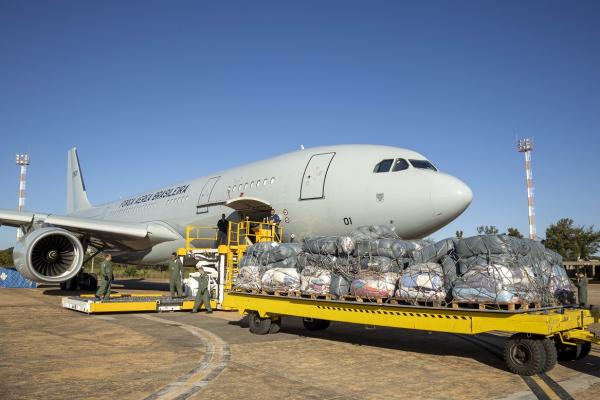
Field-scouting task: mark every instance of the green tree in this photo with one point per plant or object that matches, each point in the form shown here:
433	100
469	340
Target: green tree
487	230
570	241
6	259
514	232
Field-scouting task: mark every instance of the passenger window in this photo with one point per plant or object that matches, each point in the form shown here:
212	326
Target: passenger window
422	164
400	165
383	166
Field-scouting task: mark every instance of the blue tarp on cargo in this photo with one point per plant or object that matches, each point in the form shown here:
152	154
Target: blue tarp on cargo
10	278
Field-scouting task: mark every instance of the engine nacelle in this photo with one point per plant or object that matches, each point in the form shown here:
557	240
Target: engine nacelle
48	255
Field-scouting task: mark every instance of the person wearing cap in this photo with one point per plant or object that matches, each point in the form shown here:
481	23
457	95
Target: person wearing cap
175	278
202	295
106	278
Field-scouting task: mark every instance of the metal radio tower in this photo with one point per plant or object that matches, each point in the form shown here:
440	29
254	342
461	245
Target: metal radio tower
526	146
23	162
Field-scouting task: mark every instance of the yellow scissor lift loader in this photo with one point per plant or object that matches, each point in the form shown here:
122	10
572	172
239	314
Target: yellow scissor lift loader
200	246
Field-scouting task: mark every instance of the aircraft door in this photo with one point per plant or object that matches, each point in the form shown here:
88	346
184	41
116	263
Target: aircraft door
205	194
315	173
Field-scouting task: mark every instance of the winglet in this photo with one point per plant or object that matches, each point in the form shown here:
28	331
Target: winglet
76	195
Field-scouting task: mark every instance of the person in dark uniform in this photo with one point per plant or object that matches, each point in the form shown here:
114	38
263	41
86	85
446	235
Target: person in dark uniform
202	295
223	226
582	290
106	278
274	218
175	276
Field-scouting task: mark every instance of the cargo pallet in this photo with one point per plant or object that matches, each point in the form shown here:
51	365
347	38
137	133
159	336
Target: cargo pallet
540	336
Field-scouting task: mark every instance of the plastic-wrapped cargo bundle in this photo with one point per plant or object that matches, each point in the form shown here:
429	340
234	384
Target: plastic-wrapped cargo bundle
248	278
372	285
433	252
491	244
392	248
284	250
482	260
499	284
315	280
380	264
290	262
422	282
340	285
280	279
332	245
369	232
560	287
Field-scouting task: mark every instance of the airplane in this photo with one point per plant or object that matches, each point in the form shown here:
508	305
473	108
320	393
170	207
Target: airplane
316	191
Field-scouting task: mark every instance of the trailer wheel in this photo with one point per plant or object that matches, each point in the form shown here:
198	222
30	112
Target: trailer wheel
551	354
524	355
585	350
570	353
275	326
258	325
314	324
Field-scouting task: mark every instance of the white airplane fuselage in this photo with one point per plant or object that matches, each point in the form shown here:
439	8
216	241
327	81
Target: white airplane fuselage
317	191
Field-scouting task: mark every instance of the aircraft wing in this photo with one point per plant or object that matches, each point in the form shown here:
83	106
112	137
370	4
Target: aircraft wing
99	233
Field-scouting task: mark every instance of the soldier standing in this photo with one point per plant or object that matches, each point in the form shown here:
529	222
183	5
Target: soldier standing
582	290
202	296
222	226
175	278
106	278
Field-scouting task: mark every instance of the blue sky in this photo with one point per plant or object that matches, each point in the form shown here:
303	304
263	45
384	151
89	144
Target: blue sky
153	92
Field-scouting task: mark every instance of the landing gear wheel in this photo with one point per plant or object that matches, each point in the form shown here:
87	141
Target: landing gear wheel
551	354
258	325
524	355
275	326
571	353
313	324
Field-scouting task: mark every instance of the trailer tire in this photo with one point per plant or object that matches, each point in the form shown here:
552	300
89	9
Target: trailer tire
524	355
571	353
551	354
314	324
275	326
258	325
585	350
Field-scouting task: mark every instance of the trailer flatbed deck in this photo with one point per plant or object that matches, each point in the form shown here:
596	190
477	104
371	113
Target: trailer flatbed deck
540	336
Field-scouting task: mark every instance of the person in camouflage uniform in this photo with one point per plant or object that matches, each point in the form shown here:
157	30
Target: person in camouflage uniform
582	289
175	276
202	295
106	278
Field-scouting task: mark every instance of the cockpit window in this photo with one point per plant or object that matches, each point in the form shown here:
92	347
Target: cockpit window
383	166
400	165
422	164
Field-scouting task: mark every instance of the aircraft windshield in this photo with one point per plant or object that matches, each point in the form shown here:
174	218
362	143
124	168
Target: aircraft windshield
400	165
383	166
422	164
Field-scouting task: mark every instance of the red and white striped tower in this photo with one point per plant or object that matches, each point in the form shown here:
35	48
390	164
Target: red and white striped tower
526	146
23	162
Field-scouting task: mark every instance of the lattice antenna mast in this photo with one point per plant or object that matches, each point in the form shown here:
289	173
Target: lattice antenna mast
22	161
526	146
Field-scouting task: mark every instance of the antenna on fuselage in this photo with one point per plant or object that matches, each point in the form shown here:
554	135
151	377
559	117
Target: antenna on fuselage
301	147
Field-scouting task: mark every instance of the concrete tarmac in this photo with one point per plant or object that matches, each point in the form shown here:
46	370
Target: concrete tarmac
53	353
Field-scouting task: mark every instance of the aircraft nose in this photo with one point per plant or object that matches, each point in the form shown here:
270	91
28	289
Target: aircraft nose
449	196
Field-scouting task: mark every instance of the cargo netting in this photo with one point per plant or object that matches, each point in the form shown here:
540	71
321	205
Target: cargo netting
372	262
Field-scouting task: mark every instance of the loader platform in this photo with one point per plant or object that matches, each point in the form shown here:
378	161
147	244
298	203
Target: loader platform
127	303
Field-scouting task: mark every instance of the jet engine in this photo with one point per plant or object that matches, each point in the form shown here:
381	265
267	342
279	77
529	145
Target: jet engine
48	255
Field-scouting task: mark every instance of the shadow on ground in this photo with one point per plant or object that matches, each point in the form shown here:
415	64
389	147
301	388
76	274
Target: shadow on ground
421	342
